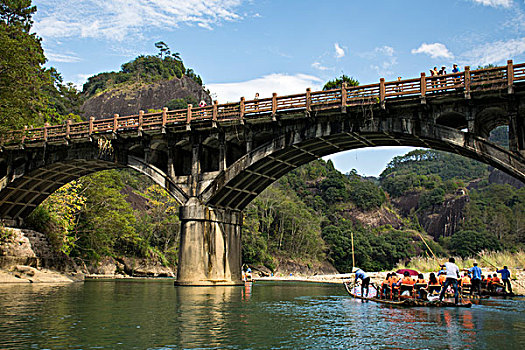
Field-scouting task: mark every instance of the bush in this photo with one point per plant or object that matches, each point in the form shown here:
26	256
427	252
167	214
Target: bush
468	243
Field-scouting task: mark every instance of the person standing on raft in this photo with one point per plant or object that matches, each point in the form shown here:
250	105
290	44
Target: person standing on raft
452	279
505	278
365	280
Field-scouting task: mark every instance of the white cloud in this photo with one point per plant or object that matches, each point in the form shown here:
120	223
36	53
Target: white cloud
382	60
63	58
493	53
116	19
282	84
339	51
495	3
318	65
435	50
81	80
385	50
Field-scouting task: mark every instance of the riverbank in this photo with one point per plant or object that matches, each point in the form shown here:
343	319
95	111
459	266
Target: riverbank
28	274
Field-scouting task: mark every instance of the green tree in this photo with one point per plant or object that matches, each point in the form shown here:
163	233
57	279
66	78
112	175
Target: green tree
469	243
338	82
22	100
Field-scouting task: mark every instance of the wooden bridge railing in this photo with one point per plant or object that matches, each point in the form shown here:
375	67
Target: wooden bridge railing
495	78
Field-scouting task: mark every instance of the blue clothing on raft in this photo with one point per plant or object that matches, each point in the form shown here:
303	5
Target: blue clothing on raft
505	274
476	272
360	274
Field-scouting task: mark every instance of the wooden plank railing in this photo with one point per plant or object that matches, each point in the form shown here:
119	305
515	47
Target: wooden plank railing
494	78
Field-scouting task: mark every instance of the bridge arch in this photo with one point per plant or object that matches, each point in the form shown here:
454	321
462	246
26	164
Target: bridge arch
251	174
32	180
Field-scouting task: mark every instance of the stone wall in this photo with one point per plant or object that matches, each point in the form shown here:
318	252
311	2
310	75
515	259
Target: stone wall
31	248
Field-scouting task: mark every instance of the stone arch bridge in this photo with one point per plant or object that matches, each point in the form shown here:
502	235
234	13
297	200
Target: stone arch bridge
216	159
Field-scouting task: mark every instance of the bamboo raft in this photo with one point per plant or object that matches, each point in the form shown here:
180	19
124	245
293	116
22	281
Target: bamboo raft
408	302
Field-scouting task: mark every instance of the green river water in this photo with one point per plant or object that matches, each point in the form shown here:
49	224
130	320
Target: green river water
153	314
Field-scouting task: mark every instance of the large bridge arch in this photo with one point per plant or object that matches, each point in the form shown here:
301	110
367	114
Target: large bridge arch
236	187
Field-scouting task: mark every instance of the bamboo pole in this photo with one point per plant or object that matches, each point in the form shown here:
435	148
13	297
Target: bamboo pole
420	236
353	258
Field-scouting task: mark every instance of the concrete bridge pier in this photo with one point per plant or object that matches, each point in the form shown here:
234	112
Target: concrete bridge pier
210	245
517	134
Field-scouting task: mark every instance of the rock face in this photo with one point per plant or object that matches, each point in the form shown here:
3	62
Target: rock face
374	218
122	266
28	255
294	267
444	219
440	220
129	100
499	177
31	248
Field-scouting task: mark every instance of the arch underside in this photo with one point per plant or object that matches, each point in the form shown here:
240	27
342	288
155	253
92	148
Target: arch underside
246	179
18	198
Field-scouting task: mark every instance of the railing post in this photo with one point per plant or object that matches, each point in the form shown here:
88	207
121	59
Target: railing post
308	101
25	134
68	129
343	97
46	125
188	116
467	82
91	120
141	120
241	110
423	84
214	114
115	123
382	92
274	106
164	118
510	77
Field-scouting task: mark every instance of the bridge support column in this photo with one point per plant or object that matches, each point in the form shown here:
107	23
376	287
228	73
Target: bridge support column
517	134
210	245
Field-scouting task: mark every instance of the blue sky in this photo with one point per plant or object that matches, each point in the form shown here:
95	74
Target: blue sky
240	47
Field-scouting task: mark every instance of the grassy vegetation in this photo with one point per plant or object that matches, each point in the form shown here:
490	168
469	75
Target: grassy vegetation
486	259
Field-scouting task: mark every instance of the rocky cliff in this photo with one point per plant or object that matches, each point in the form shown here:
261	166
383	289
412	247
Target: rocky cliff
440	220
129	99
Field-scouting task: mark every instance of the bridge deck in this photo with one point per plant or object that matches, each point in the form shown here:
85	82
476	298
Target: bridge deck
468	82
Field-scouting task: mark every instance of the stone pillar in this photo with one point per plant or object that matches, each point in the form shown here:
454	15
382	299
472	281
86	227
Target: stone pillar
210	245
517	134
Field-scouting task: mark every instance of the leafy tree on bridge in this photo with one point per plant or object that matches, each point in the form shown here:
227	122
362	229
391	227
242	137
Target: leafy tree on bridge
338	82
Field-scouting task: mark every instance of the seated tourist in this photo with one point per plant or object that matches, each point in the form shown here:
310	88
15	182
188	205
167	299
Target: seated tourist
496	283
406	284
394	287
420	287
433	284
465	283
385	287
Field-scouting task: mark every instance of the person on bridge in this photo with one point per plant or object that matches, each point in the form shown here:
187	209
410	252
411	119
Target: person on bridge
505	278
475	281
455	69
434	73
365	280
443	71
452	279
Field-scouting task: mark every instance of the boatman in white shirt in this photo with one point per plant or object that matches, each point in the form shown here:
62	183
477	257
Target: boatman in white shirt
452	279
